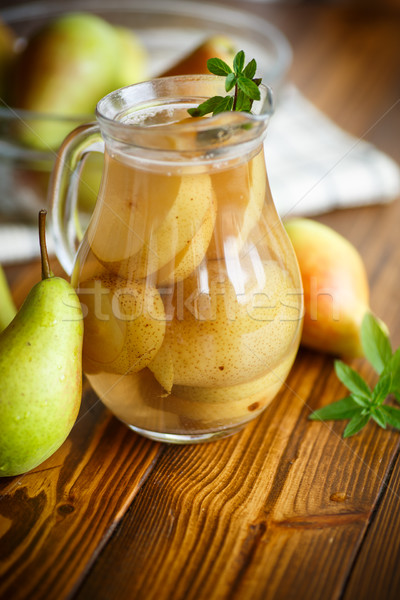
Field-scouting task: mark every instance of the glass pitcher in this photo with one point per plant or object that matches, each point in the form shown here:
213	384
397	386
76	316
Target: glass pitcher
190	288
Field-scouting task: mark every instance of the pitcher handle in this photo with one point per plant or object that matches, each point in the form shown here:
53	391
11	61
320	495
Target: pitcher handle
63	190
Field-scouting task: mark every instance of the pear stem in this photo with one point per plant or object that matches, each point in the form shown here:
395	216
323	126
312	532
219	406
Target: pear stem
46	270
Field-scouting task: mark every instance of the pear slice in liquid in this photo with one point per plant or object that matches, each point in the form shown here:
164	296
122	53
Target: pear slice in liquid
144	219
124	324
240	194
230	332
186	261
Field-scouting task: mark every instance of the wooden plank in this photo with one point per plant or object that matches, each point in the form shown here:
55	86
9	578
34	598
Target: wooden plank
55	519
256	515
376	573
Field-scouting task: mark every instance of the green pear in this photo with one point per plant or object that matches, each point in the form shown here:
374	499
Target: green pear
41	372
133	58
7	306
65	68
133	64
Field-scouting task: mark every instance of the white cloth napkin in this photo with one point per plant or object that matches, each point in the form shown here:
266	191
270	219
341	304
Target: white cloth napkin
313	167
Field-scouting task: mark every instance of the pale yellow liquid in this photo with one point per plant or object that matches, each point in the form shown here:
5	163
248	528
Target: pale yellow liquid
194	299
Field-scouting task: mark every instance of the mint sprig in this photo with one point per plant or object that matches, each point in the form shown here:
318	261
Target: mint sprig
363	403
241	79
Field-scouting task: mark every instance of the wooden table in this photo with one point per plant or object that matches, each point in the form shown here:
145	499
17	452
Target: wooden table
285	509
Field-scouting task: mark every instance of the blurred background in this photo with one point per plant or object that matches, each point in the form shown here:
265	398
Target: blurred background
360	4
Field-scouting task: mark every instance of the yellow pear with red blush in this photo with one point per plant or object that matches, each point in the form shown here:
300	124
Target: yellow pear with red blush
336	290
195	62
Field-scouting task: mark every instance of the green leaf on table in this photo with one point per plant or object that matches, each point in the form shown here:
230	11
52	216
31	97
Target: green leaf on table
392	415
345	408
379	416
362	401
375	343
382	389
352	380
393	367
355	425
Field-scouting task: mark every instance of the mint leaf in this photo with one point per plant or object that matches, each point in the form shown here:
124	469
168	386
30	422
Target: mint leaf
356	424
364	404
250	69
249	87
381	389
230	81
238	62
243	102
345	408
351	379
206	107
361	401
393	367
379	416
217	66
392	415
225	104
375	343
241	79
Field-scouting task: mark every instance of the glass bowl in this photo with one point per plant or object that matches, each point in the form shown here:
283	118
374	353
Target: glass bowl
168	31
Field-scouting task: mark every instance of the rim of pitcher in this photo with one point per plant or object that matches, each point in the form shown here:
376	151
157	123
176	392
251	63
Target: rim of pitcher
115	108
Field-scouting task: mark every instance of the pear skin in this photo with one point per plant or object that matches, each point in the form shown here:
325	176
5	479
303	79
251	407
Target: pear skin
124	324
64	70
133	58
169	210
41	375
138	398
240	199
217	46
336	291
133	64
240	402
230	331
7	306
188	259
